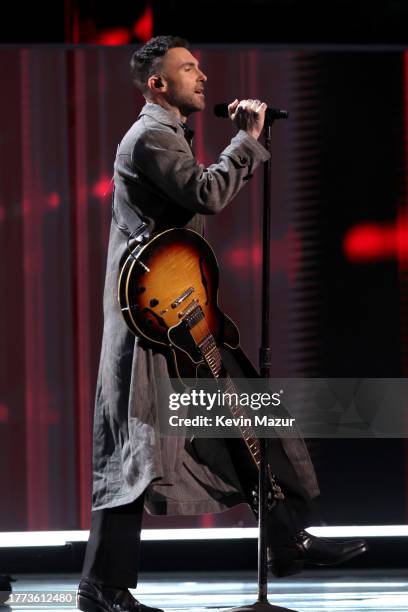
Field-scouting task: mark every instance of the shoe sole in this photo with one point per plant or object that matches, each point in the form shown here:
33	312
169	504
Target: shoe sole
85	604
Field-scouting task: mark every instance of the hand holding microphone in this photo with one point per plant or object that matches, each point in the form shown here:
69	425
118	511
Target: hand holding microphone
249	115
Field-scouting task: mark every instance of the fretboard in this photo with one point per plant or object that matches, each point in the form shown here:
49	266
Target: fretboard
213	359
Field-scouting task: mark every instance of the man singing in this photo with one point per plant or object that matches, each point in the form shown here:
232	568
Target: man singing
160	185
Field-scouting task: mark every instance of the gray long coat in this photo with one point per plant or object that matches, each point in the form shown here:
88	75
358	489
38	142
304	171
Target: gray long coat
158	179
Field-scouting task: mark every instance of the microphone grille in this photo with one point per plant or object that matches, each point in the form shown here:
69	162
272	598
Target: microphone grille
221	110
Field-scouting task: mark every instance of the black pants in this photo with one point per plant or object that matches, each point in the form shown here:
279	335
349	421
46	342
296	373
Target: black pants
112	553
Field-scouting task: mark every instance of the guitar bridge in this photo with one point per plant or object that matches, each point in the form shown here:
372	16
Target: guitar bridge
194	317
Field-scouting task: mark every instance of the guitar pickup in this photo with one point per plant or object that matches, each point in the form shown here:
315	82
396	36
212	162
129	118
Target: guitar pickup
187	311
182	297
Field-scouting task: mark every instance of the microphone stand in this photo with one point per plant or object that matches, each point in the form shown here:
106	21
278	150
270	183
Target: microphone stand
262	604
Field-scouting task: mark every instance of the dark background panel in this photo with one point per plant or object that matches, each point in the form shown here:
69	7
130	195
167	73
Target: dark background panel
351	170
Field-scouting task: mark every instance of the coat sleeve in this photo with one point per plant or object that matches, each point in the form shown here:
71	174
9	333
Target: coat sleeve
162	159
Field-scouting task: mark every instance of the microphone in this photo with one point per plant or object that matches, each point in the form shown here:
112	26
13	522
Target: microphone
221	110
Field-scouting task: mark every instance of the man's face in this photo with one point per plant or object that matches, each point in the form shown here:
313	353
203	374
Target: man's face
184	81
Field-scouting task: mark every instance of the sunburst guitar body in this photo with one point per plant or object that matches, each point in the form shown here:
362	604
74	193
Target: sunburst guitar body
168	294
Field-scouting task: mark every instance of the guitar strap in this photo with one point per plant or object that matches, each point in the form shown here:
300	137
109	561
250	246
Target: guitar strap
130	223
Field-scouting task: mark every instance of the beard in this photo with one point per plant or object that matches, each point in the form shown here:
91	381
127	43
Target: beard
187	103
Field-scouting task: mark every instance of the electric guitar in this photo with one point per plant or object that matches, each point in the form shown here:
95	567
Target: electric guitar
168	294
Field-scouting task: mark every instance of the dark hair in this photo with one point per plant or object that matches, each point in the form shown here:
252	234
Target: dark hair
147	60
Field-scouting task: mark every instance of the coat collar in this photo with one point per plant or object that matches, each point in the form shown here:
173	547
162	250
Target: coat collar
161	114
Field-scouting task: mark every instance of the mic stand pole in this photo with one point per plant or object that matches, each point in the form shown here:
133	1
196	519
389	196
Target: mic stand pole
262	604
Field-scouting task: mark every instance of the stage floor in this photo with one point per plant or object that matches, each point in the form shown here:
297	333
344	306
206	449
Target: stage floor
312	591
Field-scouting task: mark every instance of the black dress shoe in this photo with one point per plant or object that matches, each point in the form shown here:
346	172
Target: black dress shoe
94	598
5	588
305	549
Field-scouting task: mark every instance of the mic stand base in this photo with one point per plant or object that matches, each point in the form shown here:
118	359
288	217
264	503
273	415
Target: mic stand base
259	606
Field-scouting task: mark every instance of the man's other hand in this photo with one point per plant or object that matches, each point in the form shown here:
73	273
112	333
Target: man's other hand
248	115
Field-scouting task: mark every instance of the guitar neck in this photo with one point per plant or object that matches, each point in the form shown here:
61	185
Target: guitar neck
213	359
239	413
